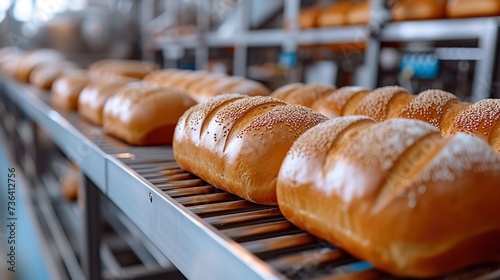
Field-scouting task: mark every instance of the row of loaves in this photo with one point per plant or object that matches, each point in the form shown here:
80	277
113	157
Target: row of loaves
349	12
143	102
146	112
394	193
439	108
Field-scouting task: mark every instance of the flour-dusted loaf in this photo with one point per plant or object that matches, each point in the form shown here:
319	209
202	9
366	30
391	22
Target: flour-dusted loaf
304	94
384	103
237	143
481	119
437	107
395	193
342	102
142	114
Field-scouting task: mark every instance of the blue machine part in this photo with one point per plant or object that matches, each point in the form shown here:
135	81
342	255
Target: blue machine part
288	59
420	65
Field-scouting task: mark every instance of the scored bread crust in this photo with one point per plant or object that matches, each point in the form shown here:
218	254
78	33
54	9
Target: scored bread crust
384	103
431	106
141	114
481	119
350	180
282	92
341	102
237	143
309	94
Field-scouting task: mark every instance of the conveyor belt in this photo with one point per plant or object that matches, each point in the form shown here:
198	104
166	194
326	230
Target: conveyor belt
204	231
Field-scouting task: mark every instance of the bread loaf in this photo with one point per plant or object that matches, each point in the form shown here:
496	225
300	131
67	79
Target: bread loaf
9	58
66	89
309	94
283	92
342	102
418	9
384	103
301	94
33	58
308	17
359	13
436	107
69	183
395	193
205	81
93	97
160	77
44	75
237	143
231	85
472	8
143	114
120	67
335	14
481	119
8	64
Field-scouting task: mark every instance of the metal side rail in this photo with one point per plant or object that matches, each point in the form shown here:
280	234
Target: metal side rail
205	232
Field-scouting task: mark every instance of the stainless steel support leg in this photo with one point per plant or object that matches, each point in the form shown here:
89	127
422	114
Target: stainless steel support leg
241	48
484	69
91	259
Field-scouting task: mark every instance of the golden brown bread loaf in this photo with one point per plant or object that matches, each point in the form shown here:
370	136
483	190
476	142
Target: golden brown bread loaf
395	193
93	97
120	67
69	183
359	13
303	94
283	92
230	85
9	58
309	94
481	119
203	85
384	103
341	102
472	8
33	58
142	114
308	17
237	143
187	80
160	77
44	75
436	107
66	89
335	14
206	81
418	9
9	65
